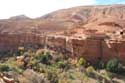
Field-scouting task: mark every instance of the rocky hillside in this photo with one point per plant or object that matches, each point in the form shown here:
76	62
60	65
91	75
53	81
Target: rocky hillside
85	30
87	17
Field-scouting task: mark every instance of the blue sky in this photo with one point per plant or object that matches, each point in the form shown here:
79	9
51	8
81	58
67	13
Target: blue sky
110	1
36	8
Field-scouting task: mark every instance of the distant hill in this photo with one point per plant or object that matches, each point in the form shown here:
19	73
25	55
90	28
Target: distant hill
99	18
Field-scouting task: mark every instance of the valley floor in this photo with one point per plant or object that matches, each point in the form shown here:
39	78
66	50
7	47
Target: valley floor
46	66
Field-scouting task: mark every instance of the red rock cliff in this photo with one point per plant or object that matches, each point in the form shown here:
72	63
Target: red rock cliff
90	31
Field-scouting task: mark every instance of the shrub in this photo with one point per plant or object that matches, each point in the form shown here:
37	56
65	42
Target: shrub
18	70
61	64
39	52
109	75
100	65
81	62
4	67
90	71
44	58
21	50
52	76
114	66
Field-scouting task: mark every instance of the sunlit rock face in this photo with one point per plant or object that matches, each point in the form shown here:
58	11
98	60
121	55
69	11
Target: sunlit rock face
93	32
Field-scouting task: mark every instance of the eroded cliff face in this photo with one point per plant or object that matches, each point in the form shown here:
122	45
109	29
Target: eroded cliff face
91	31
12	42
91	49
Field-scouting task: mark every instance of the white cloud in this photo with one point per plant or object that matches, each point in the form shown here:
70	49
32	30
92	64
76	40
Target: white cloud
36	8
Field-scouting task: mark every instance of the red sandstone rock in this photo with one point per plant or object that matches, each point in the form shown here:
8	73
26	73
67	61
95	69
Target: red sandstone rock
90	31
